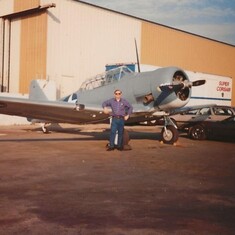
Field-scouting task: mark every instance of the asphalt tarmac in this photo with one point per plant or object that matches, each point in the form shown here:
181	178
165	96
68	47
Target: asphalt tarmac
66	182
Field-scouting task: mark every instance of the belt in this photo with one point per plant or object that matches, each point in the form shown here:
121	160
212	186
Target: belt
118	117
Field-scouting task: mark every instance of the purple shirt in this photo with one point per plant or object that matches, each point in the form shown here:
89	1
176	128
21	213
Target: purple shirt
119	108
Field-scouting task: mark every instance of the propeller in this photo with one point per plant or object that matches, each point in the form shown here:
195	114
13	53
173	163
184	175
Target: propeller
198	82
178	85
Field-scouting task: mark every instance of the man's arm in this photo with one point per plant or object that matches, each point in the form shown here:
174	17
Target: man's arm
129	109
106	104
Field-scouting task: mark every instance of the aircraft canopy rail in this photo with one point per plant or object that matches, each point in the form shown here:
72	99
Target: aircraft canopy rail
113	75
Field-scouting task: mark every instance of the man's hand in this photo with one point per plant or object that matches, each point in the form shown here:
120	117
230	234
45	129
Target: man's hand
106	110
126	117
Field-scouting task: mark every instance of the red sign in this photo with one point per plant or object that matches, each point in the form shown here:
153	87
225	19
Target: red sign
223	86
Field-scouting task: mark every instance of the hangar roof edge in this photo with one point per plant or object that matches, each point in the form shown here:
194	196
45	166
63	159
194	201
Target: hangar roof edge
142	19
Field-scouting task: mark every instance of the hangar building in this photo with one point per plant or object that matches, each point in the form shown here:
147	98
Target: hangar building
68	41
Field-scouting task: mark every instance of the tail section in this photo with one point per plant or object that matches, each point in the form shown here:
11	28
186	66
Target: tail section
41	89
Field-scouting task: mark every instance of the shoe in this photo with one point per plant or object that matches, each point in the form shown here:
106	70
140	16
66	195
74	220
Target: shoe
110	149
120	148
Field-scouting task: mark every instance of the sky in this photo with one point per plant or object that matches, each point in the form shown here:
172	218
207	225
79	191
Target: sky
213	19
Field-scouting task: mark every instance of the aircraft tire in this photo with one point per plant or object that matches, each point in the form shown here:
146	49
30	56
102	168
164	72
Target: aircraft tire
126	137
197	132
126	140
171	136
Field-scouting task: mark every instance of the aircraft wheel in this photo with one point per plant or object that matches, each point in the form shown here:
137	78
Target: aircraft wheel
169	134
126	137
197	132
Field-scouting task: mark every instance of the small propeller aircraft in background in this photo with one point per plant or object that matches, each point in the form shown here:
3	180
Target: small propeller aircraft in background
153	94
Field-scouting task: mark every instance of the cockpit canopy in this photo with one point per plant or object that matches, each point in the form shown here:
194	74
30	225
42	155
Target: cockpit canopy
111	76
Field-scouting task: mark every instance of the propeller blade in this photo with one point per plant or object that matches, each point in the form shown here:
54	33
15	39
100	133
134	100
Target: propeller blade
179	86
198	82
171	87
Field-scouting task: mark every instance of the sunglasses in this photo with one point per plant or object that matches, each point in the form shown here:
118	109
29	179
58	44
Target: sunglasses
118	93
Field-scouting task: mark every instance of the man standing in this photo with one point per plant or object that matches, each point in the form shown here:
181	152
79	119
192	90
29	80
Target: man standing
121	110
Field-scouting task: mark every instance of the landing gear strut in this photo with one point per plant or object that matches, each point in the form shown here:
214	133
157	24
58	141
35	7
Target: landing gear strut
44	127
169	132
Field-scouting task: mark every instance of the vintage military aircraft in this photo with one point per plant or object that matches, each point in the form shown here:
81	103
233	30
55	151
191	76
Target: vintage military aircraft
152	94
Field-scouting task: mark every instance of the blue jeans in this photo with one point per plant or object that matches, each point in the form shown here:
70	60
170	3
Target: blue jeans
117	125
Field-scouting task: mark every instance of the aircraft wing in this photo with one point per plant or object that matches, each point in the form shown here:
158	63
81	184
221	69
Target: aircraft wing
52	111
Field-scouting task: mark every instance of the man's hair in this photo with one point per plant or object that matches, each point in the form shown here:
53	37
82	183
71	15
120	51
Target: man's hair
117	90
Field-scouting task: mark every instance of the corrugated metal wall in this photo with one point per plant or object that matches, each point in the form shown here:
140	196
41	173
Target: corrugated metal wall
6	7
20	5
164	47
33	44
15	47
33	50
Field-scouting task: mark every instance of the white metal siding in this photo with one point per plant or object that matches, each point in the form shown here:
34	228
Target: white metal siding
6	7
82	39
